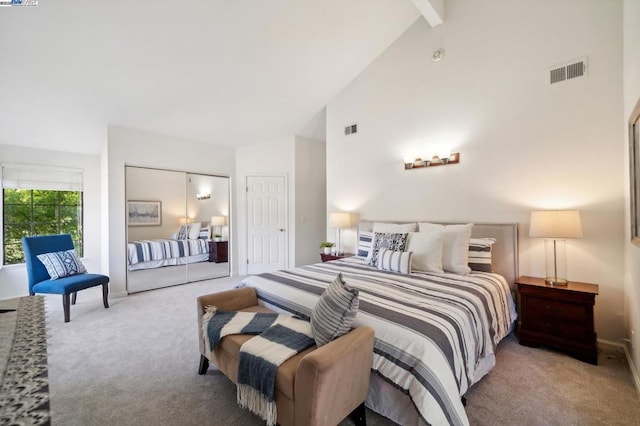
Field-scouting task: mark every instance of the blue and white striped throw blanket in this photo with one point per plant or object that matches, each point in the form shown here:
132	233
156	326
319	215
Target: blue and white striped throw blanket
279	337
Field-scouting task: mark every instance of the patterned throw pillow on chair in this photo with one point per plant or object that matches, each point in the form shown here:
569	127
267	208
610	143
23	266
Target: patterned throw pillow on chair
335	311
62	264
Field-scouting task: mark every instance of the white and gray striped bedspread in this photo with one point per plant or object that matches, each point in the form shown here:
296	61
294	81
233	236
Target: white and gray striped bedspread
147	250
433	333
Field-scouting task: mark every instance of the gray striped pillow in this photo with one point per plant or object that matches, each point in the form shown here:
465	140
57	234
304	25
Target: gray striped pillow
394	261
335	311
364	243
480	254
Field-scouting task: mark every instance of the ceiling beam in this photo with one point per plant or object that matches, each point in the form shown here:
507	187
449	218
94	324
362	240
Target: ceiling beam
432	10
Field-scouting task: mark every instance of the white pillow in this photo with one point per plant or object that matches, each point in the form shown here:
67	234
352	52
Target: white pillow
455	246
194	231
427	251
394	228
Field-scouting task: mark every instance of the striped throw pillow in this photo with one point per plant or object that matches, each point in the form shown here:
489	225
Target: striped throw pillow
480	254
183	232
62	264
364	243
394	261
335	311
205	233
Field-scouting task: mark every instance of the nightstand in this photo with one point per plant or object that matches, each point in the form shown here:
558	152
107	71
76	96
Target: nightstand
218	251
558	317
328	257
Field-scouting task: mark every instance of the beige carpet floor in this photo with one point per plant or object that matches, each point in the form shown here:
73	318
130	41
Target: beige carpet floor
136	364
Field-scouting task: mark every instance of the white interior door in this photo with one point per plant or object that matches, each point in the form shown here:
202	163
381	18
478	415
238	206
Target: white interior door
266	223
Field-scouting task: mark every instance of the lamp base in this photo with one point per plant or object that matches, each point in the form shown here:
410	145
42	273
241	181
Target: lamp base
558	282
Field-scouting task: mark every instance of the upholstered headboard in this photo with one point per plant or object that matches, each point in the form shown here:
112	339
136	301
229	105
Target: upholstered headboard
504	251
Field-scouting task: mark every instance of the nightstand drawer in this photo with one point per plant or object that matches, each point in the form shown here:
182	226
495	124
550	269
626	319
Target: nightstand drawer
565	329
554	309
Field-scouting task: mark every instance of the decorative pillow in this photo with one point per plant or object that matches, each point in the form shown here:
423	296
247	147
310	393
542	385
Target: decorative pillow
427	251
364	243
62	264
395	242
480	254
335	311
183	232
205	233
194	231
455	247
394	261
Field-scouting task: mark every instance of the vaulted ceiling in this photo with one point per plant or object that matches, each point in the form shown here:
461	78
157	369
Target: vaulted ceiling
228	72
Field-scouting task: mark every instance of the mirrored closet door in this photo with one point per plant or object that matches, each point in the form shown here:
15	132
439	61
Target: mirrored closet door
177	227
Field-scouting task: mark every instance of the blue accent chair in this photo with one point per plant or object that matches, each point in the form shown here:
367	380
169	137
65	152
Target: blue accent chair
41	282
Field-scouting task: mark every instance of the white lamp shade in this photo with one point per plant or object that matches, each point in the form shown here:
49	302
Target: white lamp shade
555	224
218	220
339	220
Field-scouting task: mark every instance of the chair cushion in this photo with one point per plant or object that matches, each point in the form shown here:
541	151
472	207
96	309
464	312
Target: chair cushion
70	284
62	264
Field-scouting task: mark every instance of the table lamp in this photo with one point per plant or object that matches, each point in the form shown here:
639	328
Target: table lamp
218	222
555	226
339	220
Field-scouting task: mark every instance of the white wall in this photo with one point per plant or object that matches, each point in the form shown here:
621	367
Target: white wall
311	199
524	144
270	158
133	147
631	17
13	278
168	187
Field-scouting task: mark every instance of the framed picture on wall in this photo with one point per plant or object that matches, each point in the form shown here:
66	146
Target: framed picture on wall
144	213
634	172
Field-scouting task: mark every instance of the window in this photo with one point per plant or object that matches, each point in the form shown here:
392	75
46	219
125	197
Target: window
39	200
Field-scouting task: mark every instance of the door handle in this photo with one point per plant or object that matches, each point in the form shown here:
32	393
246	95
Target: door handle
281	229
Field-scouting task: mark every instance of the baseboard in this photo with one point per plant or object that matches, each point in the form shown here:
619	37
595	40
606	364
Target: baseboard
623	348
117	295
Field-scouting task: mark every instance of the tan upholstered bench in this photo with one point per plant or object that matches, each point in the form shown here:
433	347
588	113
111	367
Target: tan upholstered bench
319	386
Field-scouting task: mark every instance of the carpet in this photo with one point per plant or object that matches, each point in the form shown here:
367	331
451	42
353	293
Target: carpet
24	389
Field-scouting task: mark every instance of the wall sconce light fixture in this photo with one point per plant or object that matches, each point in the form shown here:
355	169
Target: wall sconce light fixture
200	196
453	158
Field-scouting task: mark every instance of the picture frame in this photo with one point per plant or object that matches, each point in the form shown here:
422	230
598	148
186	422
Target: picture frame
144	213
634	172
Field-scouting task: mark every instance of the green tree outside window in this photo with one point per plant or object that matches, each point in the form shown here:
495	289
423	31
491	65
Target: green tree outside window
29	212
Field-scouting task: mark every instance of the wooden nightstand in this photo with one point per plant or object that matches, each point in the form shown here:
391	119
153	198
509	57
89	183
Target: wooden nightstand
328	257
218	251
558	317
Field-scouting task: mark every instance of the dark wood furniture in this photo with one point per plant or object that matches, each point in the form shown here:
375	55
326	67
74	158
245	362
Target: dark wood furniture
328	257
558	317
218	251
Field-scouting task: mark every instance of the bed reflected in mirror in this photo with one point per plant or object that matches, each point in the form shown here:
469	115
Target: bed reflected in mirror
170	239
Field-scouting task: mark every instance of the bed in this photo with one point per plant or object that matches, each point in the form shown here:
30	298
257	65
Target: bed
163	262
436	333
149	254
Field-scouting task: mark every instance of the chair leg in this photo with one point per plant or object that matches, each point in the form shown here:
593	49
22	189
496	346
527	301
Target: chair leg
67	307
105	295
358	416
204	365
74	295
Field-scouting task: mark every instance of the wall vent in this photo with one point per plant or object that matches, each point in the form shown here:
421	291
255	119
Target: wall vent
569	70
349	130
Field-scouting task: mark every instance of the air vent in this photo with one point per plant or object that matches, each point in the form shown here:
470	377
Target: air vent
349	130
567	71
